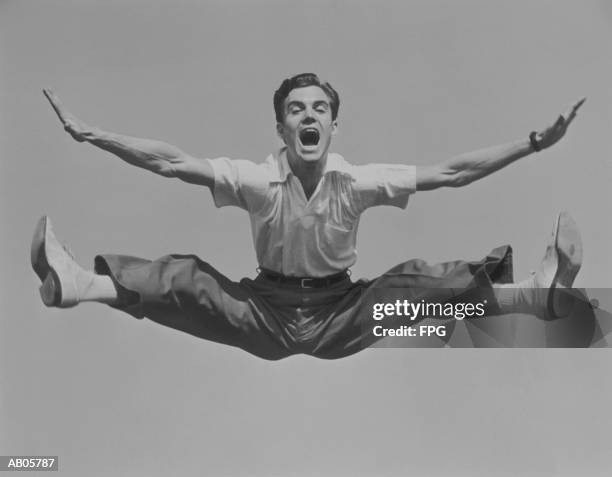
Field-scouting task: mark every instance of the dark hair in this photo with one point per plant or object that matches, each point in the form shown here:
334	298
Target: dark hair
301	81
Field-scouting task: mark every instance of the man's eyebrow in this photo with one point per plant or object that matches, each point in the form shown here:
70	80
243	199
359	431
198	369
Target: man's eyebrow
295	103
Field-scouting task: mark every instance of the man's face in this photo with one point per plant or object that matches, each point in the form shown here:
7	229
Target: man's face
308	127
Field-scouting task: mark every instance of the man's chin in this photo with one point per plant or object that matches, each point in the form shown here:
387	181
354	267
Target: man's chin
311	155
312	158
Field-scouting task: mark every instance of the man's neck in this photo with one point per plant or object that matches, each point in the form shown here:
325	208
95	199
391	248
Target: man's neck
309	173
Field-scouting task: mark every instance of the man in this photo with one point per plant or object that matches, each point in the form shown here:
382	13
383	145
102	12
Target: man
304	203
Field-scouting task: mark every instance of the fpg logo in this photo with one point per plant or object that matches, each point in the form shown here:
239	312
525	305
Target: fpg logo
431	330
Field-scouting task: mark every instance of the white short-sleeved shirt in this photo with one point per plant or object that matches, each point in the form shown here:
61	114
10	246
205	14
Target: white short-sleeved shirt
308	238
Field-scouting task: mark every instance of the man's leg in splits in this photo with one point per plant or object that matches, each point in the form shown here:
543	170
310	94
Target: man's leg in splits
178	291
488	281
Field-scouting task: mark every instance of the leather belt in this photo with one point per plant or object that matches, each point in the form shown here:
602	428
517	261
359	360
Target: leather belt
304	282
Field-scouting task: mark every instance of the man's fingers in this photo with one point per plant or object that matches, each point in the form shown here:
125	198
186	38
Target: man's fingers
557	130
571	112
579	103
55	103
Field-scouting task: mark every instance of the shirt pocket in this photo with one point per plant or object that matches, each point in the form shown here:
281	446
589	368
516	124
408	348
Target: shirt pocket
338	242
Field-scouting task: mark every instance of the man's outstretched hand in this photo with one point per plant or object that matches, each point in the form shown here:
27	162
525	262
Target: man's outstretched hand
74	126
552	134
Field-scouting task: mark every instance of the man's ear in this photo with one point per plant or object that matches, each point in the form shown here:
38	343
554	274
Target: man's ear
280	129
334	127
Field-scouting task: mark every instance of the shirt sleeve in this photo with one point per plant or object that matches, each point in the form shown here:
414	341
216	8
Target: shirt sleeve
239	183
383	184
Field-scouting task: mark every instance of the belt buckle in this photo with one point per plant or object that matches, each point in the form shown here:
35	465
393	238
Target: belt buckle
303	282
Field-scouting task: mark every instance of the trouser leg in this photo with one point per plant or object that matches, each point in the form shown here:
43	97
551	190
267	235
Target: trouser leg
350	328
187	294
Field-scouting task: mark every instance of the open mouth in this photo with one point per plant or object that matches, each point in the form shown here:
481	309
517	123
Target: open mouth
309	137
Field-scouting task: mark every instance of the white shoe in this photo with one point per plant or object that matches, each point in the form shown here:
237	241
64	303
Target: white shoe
61	276
559	267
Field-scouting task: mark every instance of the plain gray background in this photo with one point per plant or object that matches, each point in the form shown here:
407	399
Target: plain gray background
419	81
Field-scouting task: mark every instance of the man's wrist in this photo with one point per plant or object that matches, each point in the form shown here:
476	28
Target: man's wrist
93	134
534	142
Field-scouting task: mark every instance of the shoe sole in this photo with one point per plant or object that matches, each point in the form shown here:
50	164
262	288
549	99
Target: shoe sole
38	256
569	250
50	290
568	247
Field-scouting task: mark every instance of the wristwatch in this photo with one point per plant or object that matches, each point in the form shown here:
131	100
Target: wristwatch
533	139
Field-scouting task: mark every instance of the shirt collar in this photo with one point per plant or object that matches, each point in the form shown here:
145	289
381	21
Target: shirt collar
335	163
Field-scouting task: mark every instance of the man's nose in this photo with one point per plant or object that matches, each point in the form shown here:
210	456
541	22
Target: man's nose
309	116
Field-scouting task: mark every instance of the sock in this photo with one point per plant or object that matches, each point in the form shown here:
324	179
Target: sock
517	297
99	288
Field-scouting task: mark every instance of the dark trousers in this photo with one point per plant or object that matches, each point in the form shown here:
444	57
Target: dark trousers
272	320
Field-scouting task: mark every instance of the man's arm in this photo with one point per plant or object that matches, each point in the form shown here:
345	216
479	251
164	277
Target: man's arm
155	156
467	168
